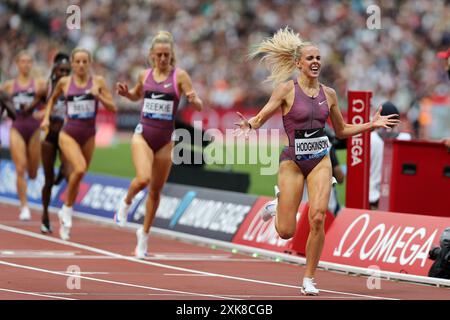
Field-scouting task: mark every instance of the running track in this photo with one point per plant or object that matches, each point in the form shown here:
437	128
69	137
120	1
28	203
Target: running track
35	266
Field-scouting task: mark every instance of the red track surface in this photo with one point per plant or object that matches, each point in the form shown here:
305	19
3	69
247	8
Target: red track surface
33	266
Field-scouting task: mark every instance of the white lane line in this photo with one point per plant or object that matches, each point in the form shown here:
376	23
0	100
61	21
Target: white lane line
84	257
84	272
186	275
64	274
242	296
35	294
132	259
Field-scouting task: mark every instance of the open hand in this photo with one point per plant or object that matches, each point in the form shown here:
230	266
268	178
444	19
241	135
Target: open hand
380	121
243	126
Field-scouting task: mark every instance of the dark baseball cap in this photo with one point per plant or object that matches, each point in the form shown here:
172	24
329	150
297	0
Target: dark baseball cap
388	108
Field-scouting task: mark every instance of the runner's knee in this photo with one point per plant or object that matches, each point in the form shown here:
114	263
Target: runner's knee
142	181
285	231
79	170
21	169
317	218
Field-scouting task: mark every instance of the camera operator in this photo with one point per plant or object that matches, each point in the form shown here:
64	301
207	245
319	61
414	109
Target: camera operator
441	257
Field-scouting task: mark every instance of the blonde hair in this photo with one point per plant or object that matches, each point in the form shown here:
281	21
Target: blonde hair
76	50
163	37
23	52
281	53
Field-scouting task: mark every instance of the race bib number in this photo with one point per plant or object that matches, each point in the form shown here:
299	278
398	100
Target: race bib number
158	108
22	100
83	109
310	143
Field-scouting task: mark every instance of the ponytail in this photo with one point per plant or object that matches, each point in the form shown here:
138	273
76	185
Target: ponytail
280	54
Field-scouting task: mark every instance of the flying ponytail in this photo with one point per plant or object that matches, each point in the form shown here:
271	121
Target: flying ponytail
280	54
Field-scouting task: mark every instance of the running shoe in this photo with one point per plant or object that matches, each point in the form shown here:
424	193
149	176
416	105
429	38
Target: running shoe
25	214
65	221
65	216
270	208
45	227
333	181
308	288
121	216
141	248
64	232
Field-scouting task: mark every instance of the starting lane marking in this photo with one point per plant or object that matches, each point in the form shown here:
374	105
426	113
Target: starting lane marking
65	274
166	266
35	294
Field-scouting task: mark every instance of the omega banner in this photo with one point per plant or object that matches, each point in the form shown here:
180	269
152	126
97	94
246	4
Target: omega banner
383	240
358	152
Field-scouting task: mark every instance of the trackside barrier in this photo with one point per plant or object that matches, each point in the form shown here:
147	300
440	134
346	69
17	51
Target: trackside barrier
177	217
387	240
255	232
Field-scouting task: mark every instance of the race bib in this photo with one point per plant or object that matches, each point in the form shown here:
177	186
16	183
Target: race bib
310	143
59	108
22	99
156	107
82	109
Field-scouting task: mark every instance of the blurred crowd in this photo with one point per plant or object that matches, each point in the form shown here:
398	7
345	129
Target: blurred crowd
397	62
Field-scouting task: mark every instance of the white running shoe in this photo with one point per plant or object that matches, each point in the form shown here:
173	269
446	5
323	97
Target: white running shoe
25	214
270	208
65	216
46	228
308	288
333	181
121	216
65	221
141	247
64	232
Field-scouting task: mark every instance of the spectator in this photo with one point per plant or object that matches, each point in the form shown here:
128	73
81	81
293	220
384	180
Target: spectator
221	32
377	138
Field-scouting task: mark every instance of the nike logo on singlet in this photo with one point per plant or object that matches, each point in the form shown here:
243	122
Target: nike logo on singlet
307	135
79	98
157	96
322	102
